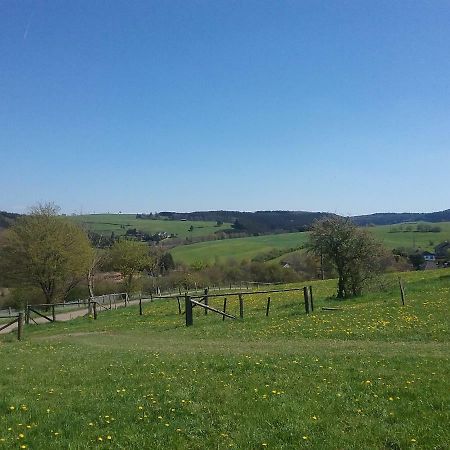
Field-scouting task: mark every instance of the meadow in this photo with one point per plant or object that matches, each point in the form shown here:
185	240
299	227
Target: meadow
119	223
371	375
247	248
239	248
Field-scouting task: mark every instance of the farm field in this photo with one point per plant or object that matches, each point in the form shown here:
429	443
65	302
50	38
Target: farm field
372	375
425	241
239	248
107	223
247	248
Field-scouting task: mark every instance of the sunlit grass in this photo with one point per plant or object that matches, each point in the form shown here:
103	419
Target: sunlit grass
371	375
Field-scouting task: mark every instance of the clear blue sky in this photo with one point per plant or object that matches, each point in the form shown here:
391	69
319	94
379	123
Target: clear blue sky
140	106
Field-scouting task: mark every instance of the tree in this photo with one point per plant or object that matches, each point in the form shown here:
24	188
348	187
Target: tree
353	251
47	251
129	258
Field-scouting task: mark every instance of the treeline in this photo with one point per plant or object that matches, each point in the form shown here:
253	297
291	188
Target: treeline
252	223
419	228
7	219
394	218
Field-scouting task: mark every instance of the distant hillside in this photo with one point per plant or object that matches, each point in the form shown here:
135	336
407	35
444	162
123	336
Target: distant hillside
7	219
259	222
394	218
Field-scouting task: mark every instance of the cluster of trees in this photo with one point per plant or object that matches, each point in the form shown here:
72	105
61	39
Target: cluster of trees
47	251
420	228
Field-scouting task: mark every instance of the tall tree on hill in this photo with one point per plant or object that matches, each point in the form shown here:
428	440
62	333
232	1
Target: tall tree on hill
354	252
130	258
45	250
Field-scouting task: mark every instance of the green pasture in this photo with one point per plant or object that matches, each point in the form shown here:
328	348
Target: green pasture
412	239
247	248
239	248
119	223
371	375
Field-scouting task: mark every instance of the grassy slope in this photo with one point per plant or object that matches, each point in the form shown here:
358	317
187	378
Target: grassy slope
250	247
106	223
241	248
373	375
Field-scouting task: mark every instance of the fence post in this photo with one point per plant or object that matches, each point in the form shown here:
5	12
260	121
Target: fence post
27	314
241	306
53	313
140	303
20	326
311	299
268	306
188	309
95	310
224	307
110	304
206	300
402	291
306	298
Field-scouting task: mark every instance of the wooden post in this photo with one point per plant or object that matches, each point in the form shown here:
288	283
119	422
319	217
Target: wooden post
27	315
311	300
268	306
95	310
110	304
53	313
402	291
241	306
188	309
140	304
224	307
306	298
20	326
179	305
206	300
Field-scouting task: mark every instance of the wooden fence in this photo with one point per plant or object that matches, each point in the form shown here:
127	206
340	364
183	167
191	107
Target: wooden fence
17	319
202	301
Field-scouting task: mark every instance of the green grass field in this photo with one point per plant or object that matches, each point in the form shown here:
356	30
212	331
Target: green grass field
373	375
240	248
107	223
247	248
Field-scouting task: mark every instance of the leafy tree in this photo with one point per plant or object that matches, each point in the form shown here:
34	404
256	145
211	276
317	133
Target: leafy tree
417	260
129	258
47	251
353	251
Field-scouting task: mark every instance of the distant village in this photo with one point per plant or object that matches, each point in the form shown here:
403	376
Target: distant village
439	258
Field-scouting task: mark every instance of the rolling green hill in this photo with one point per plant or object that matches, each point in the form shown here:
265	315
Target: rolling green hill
119	223
247	248
241	248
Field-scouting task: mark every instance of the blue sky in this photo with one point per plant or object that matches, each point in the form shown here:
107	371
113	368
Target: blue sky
189	105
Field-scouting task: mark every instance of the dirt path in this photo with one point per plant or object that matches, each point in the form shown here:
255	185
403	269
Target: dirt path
69	315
